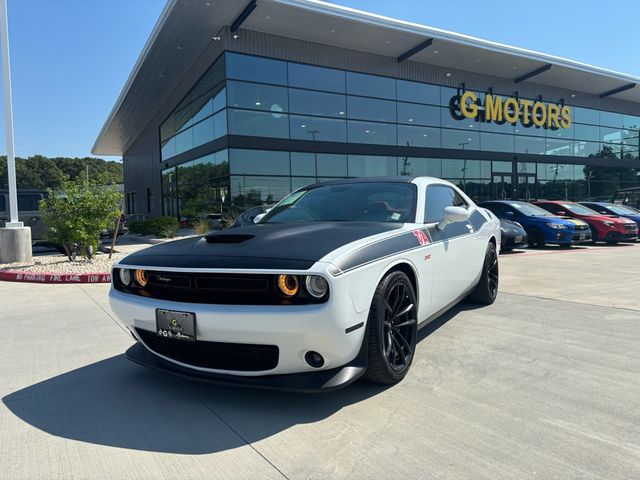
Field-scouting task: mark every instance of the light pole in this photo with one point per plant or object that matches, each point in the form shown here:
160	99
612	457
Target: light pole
15	238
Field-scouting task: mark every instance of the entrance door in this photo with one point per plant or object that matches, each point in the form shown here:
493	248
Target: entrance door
501	186
526	186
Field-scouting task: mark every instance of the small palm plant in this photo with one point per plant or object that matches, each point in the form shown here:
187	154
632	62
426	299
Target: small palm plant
169	231
202	226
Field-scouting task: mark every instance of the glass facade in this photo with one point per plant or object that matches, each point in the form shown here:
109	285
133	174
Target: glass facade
242	95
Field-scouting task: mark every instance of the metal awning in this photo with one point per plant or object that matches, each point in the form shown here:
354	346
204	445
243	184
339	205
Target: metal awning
186	27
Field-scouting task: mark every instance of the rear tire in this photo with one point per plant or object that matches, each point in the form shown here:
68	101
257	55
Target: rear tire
392	330
486	290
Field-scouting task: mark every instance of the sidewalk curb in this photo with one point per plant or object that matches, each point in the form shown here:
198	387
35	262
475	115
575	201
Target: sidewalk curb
13	276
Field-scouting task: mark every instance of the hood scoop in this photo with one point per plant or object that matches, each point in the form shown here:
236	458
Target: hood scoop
227	238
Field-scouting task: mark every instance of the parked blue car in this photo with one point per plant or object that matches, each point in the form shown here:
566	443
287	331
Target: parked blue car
542	227
614	209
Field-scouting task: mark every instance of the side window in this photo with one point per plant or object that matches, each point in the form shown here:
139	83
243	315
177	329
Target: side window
28	202
438	198
3	203
551	207
497	209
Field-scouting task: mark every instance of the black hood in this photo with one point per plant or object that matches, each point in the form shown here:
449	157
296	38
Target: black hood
264	246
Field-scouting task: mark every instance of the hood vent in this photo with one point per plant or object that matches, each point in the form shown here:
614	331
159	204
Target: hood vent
227	238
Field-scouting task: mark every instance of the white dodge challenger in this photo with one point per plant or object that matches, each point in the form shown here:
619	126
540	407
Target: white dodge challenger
330	285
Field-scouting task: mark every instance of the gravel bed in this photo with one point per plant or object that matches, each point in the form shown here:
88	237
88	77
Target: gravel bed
61	264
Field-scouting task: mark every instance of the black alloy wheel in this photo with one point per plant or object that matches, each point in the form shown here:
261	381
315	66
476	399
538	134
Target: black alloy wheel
486	290
392	327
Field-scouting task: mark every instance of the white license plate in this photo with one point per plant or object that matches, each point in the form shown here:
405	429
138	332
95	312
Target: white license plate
518	239
583	236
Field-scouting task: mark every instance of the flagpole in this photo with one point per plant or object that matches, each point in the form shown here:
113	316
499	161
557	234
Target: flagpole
8	117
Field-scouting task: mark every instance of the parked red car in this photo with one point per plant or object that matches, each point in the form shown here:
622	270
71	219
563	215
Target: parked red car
605	228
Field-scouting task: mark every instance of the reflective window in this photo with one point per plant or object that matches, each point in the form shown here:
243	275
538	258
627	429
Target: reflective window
418	92
438	198
496	142
372	166
259	162
631	121
466	123
28	202
261	124
316	78
587	132
203	132
371	109
303	164
586	149
201	185
497	127
506	167
331	165
255	96
169	192
418	136
318	129
610	135
418	166
414	114
299	182
586	115
265	70
460	139
531	145
317	103
374	133
248	191
370	85
559	147
445	95
610	119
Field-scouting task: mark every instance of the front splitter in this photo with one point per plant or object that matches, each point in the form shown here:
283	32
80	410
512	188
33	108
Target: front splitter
307	382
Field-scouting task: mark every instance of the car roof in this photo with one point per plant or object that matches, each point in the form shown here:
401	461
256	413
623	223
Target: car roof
345	181
557	202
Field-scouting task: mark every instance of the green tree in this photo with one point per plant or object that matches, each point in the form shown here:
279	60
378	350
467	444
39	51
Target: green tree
76	213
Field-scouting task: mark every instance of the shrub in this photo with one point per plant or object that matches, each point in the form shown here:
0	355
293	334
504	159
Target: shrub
155	226
76	213
169	231
202	226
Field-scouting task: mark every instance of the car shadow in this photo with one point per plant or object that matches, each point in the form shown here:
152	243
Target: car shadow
117	403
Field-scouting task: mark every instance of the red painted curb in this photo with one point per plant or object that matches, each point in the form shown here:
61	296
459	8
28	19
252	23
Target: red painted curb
13	276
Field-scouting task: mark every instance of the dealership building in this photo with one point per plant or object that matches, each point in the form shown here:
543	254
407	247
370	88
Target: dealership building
235	103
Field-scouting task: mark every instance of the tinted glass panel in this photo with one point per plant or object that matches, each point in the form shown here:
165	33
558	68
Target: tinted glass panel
610	119
587	132
28	201
466	123
418	92
586	149
418	136
438	198
532	145
3	203
259	162
413	114
586	115
559	147
299	182
332	165
445	95
631	121
201	184
263	124
411	166
257	97
245	67
496	142
371	109
374	133
203	132
318	78
317	103
248	191
371	86
318	129
372	166
460	139
303	164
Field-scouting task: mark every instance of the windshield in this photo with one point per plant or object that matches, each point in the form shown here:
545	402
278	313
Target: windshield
579	209
348	202
620	210
531	210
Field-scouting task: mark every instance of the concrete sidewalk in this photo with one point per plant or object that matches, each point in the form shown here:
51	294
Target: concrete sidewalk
531	387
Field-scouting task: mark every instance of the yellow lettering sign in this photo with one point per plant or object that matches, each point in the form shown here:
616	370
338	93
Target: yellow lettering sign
469	109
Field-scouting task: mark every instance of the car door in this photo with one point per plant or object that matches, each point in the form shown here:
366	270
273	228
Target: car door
454	254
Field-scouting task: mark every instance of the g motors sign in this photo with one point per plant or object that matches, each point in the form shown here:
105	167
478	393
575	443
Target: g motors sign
498	109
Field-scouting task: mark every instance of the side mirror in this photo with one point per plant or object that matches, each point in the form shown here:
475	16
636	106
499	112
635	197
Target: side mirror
453	215
509	214
258	217
561	213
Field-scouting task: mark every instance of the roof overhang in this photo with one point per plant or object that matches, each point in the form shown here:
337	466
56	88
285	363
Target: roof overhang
186	27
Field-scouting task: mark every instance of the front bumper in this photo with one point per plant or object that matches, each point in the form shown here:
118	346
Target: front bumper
334	329
621	236
570	237
510	242
307	382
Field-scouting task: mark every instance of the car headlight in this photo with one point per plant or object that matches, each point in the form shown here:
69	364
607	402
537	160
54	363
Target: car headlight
141	278
609	224
557	226
288	285
125	276
316	286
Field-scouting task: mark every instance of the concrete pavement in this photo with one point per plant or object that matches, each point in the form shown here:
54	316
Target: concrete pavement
543	384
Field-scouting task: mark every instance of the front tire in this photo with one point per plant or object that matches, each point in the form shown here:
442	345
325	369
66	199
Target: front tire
392	330
486	290
536	238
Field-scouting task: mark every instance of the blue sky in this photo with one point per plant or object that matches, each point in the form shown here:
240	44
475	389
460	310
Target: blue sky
70	58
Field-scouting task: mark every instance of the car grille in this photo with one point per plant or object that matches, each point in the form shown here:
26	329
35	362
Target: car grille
630	227
215	355
215	288
581	227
